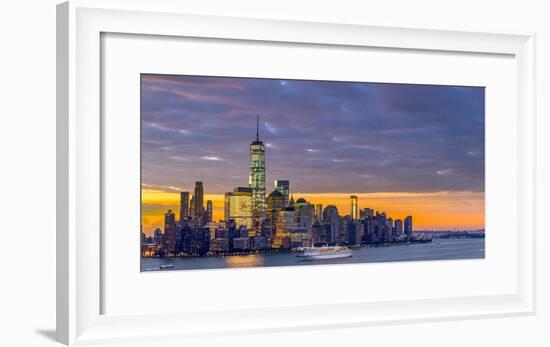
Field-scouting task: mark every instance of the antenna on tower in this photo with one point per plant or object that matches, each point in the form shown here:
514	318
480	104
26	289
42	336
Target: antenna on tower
257	127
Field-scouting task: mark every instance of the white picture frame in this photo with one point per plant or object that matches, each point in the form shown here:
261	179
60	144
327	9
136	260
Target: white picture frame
79	152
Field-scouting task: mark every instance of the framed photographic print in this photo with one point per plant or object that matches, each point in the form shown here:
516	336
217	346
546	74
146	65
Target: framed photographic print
332	172
225	160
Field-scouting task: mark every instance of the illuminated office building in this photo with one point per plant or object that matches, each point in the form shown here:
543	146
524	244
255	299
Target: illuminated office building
354	209
240	206
286	221
319	213
257	177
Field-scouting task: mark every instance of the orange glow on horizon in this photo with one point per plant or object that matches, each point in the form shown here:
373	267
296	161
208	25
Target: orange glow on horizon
430	211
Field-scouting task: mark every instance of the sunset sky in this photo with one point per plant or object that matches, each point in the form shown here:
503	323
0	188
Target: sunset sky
403	149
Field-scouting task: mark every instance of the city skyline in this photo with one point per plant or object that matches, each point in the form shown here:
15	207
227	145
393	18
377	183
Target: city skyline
455	199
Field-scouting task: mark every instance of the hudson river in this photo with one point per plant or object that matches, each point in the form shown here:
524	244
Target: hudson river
439	249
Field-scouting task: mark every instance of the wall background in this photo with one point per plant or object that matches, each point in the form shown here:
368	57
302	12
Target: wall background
27	170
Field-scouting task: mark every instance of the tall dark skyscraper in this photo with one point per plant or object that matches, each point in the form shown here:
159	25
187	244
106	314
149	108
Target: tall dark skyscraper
192	207
408	225
209	211
398	227
227	206
170	230
283	186
331	217
184	206
257	176
199	202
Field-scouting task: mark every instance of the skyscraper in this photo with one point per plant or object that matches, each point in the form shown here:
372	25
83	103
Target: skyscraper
283	186
240	206
208	214
257	176
285	222
275	203
192	208
398	227
184	206
354	209
157	237
330	214
408	225
319	213
199	202
366	213
226	206
275	200
331	217
170	230
304	213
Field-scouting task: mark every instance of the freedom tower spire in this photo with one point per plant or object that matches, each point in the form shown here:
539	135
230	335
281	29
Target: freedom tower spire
257	128
256	180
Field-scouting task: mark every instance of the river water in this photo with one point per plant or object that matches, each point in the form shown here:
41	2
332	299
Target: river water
442	249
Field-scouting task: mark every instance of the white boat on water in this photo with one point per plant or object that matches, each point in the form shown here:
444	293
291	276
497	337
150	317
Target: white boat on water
325	252
166	266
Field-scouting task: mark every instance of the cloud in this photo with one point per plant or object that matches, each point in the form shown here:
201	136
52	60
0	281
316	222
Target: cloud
388	137
475	153
271	128
177	157
211	158
445	172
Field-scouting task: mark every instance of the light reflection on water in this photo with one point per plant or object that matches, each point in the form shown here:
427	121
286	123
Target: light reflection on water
245	260
439	250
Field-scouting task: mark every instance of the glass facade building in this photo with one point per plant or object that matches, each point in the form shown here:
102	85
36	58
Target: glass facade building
257	177
283	186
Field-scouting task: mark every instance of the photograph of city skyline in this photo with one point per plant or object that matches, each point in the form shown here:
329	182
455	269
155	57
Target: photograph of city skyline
241	172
